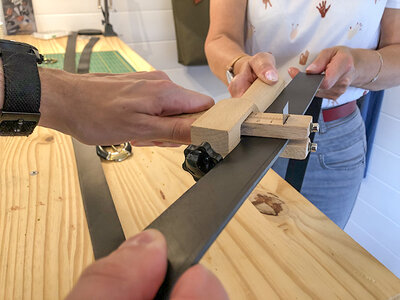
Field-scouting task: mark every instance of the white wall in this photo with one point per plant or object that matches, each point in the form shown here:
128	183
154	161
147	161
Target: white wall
147	26
375	221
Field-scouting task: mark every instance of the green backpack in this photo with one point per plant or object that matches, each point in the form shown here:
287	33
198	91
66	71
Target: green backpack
191	26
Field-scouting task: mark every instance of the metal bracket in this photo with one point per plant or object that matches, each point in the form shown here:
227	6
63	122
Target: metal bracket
115	152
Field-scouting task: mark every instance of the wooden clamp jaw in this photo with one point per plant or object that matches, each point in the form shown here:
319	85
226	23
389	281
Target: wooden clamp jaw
223	124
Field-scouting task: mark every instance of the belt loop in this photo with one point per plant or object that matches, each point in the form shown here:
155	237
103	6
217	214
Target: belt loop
321	122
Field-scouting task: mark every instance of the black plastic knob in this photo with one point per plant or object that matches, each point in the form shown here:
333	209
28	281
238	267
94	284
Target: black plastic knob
199	160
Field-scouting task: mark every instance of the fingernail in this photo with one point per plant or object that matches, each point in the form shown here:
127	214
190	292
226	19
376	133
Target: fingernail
311	68
142	239
271	75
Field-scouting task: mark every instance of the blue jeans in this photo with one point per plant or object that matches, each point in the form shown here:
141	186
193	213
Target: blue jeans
335	171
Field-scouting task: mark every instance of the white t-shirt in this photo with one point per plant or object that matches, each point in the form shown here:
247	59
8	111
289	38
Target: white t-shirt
295	31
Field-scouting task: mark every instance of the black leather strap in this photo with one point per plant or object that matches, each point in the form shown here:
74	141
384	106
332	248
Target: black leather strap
296	169
84	61
70	53
104	226
193	222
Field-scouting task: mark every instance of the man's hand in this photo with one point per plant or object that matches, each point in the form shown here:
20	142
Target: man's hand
338	63
248	68
136	271
106	109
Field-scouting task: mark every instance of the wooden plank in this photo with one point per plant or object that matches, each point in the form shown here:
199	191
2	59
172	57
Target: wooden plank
44	240
263	95
297	149
220	125
44	243
297	127
257	257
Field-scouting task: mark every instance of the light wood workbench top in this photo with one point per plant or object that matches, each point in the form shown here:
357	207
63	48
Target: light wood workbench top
44	241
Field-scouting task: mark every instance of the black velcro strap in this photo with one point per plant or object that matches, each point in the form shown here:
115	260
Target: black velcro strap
21	82
22	91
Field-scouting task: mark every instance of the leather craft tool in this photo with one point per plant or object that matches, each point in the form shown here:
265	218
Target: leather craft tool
193	222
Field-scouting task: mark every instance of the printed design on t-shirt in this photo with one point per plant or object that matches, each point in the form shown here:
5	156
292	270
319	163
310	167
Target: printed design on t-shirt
323	9
353	30
294	32
197	1
266	2
304	58
250	31
332	102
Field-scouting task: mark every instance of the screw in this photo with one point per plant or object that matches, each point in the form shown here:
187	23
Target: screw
314	127
312	147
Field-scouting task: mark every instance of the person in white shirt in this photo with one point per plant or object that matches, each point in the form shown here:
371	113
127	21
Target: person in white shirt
356	43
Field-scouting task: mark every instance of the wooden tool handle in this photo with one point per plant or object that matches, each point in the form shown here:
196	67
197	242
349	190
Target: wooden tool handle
262	94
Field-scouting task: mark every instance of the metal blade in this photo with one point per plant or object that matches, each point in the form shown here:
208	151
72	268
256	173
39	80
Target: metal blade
285	113
194	221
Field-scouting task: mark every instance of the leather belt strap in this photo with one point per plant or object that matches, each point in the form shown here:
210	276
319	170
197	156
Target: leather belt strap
339	112
296	169
84	61
70	53
104	226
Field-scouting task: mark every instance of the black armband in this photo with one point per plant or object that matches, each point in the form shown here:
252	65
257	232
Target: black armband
20	113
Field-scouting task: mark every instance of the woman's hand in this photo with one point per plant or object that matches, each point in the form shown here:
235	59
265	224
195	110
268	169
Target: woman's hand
106	109
339	65
249	68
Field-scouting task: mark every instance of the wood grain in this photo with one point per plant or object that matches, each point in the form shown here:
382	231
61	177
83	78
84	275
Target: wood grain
220	125
43	231
297	127
44	240
296	253
297	149
263	95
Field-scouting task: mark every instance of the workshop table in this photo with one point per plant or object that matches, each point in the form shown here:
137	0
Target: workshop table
291	252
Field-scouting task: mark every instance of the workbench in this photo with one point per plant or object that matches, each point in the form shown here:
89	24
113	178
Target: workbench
291	252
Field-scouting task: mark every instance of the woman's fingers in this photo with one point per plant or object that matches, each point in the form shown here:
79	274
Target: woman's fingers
263	65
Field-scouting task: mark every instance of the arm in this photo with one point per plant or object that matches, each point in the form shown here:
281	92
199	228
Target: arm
106	109
225	42
346	67
225	39
389	47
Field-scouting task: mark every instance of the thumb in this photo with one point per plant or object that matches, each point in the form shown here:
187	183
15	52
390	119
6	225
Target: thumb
170	129
198	283
263	65
134	271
